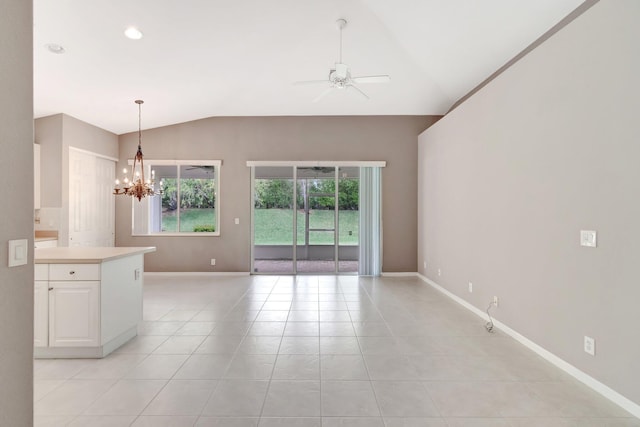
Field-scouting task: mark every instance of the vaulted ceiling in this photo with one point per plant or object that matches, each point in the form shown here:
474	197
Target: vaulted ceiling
203	58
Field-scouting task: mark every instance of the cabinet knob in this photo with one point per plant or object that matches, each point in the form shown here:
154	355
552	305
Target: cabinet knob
72	272
50	289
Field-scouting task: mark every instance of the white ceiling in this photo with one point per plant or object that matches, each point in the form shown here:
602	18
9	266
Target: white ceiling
203	58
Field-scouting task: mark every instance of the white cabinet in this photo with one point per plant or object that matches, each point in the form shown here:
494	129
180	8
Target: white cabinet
74	314
66	272
41	314
41	305
36	176
46	244
86	310
67	305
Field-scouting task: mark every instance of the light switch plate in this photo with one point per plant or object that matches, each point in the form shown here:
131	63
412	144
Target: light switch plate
588	238
18	252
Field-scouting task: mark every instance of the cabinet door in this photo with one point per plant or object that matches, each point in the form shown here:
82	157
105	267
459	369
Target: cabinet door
74	314
41	314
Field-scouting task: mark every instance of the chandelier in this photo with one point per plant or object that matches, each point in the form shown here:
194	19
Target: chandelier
137	186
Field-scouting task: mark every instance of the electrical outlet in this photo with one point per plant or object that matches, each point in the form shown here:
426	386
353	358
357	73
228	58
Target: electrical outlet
424	264
589	345
213	261
136	274
470	287
495	301
237	221
439	272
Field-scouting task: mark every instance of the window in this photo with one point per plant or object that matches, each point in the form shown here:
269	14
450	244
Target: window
189	203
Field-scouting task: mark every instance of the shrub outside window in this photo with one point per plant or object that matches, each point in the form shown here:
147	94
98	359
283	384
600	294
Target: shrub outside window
189	203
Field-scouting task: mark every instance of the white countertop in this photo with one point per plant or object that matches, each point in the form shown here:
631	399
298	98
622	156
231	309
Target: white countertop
85	254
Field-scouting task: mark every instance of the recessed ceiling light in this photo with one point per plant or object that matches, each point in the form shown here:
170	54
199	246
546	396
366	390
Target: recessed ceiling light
54	48
133	33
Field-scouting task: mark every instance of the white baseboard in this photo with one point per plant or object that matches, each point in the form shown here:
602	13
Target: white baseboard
399	274
195	273
586	379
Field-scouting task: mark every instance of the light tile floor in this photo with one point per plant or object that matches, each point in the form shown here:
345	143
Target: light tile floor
313	351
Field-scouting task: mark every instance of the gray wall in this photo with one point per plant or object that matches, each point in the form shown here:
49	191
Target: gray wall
508	179
16	175
235	140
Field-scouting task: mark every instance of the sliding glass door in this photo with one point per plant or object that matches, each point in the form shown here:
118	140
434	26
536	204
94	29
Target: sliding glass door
326	220
316	250
348	219
273	219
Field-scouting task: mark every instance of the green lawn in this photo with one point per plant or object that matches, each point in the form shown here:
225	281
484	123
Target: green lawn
274	227
189	218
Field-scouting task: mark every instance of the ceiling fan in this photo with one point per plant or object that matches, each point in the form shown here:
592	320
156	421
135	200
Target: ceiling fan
340	76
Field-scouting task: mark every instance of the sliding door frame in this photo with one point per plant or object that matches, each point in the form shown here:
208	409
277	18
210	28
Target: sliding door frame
252	164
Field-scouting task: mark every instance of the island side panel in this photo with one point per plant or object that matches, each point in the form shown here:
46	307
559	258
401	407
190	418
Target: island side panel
121	299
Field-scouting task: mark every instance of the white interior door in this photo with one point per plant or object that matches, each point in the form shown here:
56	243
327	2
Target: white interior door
105	171
91	204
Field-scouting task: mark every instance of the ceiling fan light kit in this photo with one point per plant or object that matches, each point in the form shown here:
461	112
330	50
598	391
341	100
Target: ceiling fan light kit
340	76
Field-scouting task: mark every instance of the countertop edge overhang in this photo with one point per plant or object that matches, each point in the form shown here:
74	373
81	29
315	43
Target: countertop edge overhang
86	255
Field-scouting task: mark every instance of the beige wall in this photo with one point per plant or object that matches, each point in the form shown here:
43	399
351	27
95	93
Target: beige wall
235	140
48	133
508	179
56	134
16	175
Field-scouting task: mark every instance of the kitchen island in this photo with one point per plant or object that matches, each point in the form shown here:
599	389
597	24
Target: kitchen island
87	300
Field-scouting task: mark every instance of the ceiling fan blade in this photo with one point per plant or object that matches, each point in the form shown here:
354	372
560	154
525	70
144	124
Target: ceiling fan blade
382	78
310	82
323	94
358	90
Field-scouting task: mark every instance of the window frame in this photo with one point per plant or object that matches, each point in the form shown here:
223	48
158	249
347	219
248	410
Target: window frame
150	163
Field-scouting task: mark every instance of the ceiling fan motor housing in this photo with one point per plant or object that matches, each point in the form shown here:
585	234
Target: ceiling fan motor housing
339	76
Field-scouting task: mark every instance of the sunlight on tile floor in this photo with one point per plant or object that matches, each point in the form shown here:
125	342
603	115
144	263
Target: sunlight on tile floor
313	351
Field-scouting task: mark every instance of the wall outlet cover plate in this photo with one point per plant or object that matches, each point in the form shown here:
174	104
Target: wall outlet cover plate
589	345
588	238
